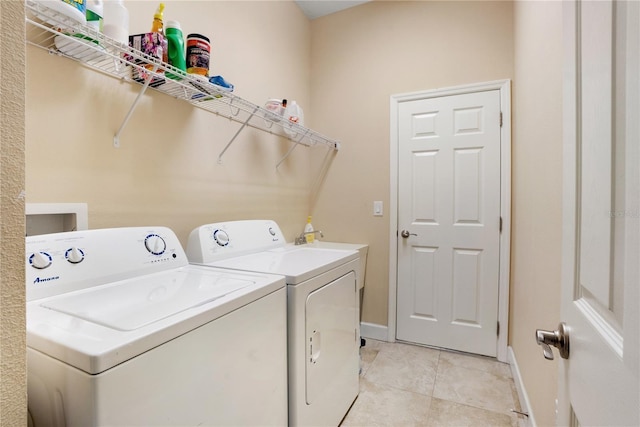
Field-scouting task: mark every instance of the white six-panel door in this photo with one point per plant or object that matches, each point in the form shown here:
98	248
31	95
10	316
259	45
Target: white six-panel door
449	205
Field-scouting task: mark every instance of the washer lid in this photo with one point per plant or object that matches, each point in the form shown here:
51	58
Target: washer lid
130	305
296	263
96	328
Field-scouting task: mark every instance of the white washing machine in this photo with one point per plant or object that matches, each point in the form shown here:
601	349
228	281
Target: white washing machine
323	320
123	331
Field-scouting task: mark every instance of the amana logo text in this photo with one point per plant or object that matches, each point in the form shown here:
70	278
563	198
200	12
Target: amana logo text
46	279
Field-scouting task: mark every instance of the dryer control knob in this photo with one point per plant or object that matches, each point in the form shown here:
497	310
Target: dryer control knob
40	260
221	237
155	244
74	255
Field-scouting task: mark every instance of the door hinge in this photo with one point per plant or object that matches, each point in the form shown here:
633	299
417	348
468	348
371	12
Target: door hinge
500	118
500	227
498	328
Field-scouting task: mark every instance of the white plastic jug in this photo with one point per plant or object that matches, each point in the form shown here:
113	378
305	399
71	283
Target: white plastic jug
275	109
116	21
294	114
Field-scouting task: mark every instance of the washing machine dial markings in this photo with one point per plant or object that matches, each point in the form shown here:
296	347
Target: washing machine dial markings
40	260
221	237
155	244
74	255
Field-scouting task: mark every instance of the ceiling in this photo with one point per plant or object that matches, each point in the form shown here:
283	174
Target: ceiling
316	8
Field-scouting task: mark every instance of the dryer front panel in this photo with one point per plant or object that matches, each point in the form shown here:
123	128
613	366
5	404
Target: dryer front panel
331	316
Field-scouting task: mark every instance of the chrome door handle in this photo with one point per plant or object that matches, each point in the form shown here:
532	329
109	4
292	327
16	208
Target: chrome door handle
558	338
405	234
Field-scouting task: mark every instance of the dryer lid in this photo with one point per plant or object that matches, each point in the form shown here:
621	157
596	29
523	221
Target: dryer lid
296	263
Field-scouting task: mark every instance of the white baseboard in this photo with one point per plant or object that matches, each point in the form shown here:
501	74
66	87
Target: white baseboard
374	331
522	392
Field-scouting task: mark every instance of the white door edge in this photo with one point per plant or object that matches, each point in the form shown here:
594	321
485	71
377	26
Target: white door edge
619	350
504	86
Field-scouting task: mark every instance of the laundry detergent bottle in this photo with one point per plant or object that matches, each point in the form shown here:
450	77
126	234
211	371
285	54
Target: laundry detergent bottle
309	235
173	32
95	14
70	13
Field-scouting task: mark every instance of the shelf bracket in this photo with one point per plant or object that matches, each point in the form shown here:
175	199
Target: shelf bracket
116	137
236	135
238	110
268	124
292	148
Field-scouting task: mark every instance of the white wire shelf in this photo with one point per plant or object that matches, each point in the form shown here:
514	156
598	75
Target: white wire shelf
103	54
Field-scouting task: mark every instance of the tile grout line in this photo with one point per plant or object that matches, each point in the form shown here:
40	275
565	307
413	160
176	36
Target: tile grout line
433	389
439	361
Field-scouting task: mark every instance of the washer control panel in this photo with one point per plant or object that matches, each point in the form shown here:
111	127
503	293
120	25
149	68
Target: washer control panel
63	262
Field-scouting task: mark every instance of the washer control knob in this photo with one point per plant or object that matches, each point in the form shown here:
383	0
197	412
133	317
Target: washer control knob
221	237
74	255
40	260
155	244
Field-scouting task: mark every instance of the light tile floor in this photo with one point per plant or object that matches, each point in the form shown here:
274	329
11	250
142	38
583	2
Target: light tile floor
407	385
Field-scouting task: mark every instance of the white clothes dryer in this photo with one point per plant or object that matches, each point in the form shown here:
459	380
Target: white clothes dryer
322	314
123	331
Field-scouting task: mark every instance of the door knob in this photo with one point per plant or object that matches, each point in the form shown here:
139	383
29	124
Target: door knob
558	338
405	234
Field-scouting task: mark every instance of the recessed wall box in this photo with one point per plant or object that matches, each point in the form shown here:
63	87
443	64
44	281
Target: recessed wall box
45	218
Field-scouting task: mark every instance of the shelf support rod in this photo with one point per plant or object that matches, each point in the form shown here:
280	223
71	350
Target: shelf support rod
116	137
292	148
236	135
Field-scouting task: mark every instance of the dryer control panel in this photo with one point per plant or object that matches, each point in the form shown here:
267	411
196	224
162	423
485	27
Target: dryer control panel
64	262
221	240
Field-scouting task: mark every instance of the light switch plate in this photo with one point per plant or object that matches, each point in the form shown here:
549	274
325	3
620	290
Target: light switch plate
377	208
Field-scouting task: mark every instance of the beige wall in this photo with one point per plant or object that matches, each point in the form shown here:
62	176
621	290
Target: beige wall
537	196
362	56
166	170
13	370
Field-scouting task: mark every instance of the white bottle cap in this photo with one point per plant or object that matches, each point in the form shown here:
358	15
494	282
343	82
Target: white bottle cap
172	24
